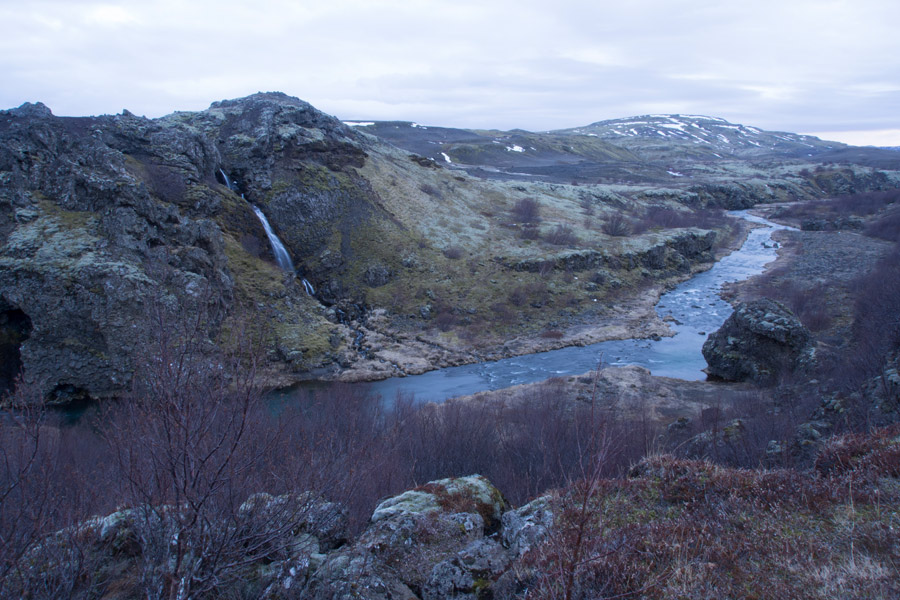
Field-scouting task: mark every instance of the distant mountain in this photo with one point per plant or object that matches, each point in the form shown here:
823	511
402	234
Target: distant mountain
644	149
504	154
700	136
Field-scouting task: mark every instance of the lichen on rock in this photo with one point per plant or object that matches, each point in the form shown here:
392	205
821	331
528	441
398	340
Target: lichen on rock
760	340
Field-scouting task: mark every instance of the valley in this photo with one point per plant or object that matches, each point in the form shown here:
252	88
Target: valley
228	291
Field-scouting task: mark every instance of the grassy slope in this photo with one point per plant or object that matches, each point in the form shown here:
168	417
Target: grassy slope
452	234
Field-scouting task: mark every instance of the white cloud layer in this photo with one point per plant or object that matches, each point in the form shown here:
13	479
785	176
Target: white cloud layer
804	65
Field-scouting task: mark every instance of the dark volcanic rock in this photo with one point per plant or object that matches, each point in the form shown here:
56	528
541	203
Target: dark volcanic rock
759	340
107	220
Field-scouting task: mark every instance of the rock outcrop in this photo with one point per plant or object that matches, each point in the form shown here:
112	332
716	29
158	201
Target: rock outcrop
451	538
428	542
113	228
116	230
432	544
761	339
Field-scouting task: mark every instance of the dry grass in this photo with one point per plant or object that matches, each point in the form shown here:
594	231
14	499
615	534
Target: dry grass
690	529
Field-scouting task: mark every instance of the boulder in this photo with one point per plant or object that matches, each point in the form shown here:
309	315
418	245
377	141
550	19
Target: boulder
426	538
761	339
473	494
468	574
527	526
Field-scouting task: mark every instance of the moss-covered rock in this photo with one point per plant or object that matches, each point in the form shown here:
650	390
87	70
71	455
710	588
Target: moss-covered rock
757	342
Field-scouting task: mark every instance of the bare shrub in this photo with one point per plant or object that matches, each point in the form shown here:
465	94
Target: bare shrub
659	217
445	320
808	302
44	492
562	235
552	334
500	312
861	204
518	296
537	292
886	227
587	204
453	252
876	322
189	445
616	225
530	232
526	210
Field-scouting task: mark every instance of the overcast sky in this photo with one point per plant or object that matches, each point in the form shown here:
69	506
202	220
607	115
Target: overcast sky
829	68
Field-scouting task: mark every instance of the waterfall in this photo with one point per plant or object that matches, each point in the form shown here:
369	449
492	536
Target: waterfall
228	183
281	254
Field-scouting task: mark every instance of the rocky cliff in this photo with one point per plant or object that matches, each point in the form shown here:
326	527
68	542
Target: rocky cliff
116	227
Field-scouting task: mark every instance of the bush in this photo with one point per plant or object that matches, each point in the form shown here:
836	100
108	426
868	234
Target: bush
530	232
527	210
502	313
862	205
562	235
617	226
445	320
453	252
887	227
659	217
518	296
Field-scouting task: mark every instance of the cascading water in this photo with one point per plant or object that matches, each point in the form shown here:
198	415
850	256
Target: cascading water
281	254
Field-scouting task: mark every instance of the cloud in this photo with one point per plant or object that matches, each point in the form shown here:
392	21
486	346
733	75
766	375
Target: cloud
867	137
799	65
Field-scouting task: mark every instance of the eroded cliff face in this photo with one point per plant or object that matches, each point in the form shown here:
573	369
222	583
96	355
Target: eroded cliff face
113	225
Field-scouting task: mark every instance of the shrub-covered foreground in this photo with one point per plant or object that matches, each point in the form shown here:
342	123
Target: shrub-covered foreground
689	529
673	528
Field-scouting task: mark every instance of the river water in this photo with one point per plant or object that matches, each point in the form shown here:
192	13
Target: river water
695	305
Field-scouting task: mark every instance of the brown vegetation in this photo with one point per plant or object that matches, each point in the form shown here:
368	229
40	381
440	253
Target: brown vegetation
527	211
690	529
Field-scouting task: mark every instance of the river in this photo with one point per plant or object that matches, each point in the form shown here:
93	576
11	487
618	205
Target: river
695	306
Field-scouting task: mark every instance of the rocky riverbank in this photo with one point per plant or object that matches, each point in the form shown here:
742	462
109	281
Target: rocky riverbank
387	351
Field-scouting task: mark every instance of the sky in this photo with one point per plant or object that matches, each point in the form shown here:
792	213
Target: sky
821	67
